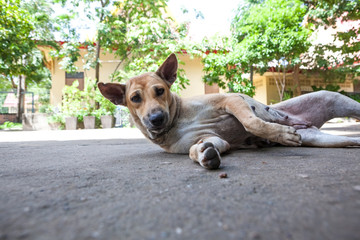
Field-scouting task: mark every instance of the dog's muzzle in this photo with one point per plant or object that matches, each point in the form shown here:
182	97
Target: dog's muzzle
156	121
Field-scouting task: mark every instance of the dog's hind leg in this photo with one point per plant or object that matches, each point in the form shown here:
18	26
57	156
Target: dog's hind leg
313	137
207	151
319	107
240	108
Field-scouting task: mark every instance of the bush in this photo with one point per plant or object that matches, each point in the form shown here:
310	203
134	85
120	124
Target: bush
11	126
72	98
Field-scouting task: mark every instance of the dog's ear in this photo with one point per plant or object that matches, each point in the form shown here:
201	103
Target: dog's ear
168	70
115	92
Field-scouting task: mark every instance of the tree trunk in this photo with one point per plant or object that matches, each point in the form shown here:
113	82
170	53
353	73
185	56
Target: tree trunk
98	42
283	85
97	67
251	74
13	83
297	84
117	67
280	83
20	100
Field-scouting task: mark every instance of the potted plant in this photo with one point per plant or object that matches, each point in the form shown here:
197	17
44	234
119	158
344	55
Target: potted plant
87	113
86	117
106	110
89	122
55	118
56	121
71	105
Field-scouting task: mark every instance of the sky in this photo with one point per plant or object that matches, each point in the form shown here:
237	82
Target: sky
217	15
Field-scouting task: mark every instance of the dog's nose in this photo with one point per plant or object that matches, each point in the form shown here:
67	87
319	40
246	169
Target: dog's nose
157	118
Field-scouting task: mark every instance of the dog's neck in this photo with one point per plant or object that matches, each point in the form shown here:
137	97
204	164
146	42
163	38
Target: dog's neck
174	111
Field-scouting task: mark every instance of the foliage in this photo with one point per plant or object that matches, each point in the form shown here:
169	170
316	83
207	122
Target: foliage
24	26
263	31
69	54
43	101
15	38
279	34
42	90
11	126
329	87
335	59
72	100
88	96
271	32
274	28
137	32
65	24
241	85
41	12
55	117
2	100
151	40
220	68
77	103
288	94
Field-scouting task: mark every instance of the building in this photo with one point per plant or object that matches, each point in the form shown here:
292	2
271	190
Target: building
266	90
193	68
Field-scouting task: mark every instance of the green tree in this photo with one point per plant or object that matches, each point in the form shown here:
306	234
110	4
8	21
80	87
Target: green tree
15	40
336	59
138	32
264	32
222	67
24	26
280	33
273	32
148	38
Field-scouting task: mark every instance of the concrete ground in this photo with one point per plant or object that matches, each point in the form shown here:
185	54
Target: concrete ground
114	184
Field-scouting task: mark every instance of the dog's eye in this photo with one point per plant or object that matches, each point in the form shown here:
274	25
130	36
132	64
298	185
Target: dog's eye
159	91
136	98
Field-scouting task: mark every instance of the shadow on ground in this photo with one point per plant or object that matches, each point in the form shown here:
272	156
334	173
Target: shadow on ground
131	189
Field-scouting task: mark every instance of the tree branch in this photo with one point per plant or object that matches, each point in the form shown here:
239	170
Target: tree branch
121	61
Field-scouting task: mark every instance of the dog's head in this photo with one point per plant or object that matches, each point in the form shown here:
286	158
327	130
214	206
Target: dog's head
147	96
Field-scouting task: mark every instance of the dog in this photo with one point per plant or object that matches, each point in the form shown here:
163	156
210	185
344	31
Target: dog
207	126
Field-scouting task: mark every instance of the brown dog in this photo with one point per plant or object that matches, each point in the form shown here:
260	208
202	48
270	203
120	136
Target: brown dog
209	125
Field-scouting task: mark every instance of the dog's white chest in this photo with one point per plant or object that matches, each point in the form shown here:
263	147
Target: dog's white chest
204	121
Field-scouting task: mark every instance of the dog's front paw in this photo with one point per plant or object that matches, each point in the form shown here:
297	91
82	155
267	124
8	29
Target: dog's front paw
208	156
288	137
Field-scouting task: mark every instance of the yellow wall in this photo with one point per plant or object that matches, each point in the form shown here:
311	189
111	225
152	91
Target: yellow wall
260	88
193	70
57	84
